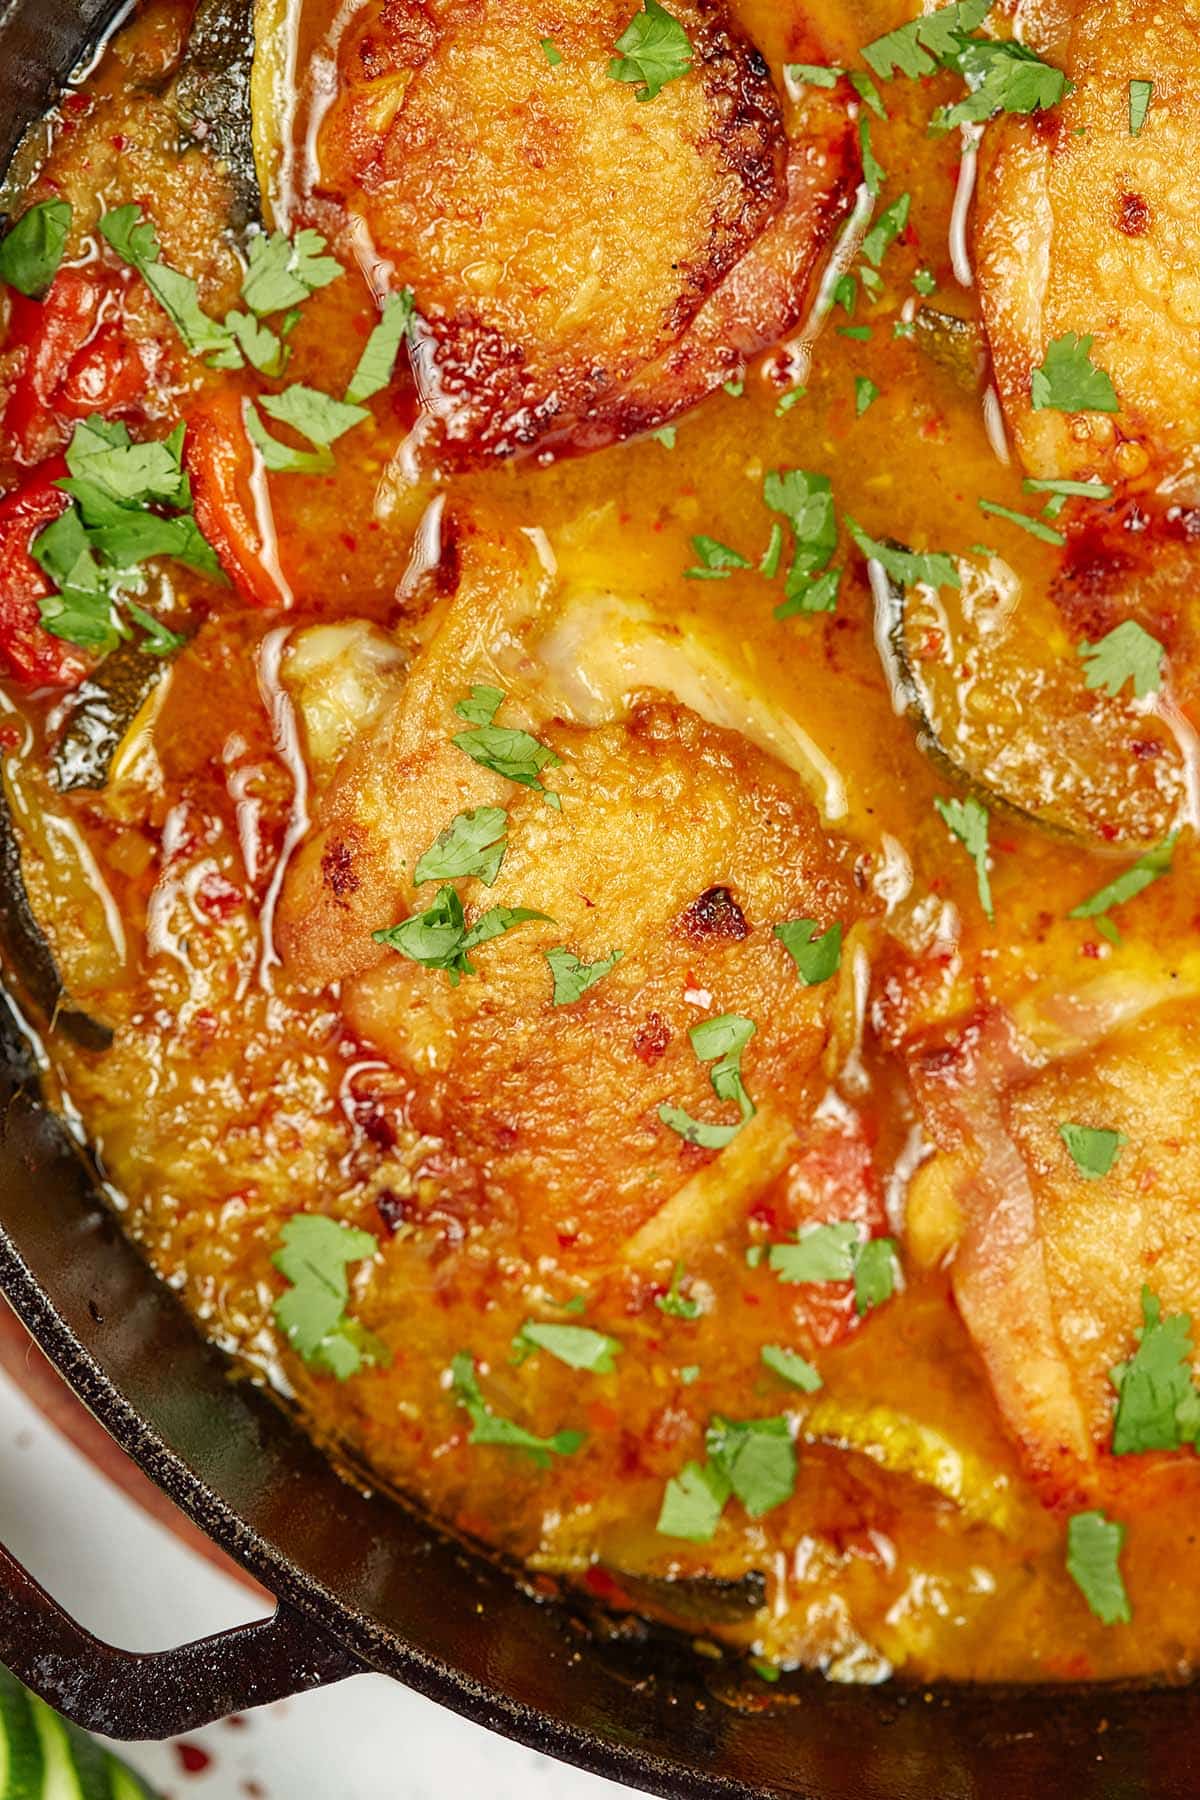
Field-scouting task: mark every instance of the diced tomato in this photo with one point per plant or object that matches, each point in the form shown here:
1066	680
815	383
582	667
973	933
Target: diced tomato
79	359
833	1178
220	462
30	653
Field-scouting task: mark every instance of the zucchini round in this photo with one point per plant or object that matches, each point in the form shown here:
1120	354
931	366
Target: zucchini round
42	1757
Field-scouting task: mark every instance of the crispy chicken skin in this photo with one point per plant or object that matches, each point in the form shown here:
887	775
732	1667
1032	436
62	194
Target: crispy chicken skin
585	266
678	843
1082	227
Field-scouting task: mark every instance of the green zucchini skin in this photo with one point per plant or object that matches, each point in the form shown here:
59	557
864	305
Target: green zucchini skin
21	1759
212	96
694	1601
105	706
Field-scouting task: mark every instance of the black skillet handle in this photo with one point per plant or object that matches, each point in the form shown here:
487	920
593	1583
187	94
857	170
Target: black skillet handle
124	1694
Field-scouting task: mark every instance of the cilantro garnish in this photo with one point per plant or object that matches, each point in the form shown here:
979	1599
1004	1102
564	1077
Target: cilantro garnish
886	229
1062	491
283	271
374	368
1140	95
1128	653
439	937
550	51
752	1459
839	1252
1003	77
135	240
968	820
813	74
487	1427
653	49
693	1502
772	555
717	560
1126	886
516	755
874	174
810	594
1094	1546
906	566
720	1041
917	48
473	844
312	1314
816	958
1158	1403
867	92
573	978
32	250
805	500
790	1366
575	1345
1069	381
1093	1148
316	416
925	282
281	459
131	502
865	392
674	1302
1034	527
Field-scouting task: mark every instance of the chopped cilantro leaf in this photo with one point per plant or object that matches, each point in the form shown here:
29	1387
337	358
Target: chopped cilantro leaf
674	1303
316	416
374	368
1094	1546
693	1502
1094	489
735	389
1003	76
769	565
810	593
514	754
575	1345
785	403
924	282
1093	1149
666	436
283	271
281	459
874	174
816	958
312	1314
487	1427
473	844
867	92
865	392
1158	1403
874	1274
720	1041
766	1671
689	1373
821	1253
551	52
262	348
32	250
805	500
439	937
813	74
917	48
1127	653
573	978
1034	527
1126	886
716	560
886	229
756	1457
860	333
790	1366
845	292
653	49
1140	95
135	239
1069	381
906	566
968	820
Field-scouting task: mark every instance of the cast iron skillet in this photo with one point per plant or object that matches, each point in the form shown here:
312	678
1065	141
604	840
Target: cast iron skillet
363	1584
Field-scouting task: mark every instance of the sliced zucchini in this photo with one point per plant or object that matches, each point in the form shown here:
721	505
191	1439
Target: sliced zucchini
42	1757
73	1767
695	1601
212	95
106	705
953	345
997	692
906	1447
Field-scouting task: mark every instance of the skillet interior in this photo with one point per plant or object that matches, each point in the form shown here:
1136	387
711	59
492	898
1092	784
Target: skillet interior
404	1598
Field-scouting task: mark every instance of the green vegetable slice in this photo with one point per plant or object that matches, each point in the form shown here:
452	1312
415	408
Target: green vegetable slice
30	253
1094	1546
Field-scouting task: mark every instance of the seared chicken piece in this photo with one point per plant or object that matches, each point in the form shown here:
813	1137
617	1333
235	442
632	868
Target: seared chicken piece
1084	227
1049	1264
677	843
585	266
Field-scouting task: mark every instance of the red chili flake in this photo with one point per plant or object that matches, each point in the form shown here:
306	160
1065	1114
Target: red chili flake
1091	948
192	1759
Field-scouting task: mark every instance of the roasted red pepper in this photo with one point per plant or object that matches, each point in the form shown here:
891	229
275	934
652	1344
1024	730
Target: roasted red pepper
30	653
220	462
